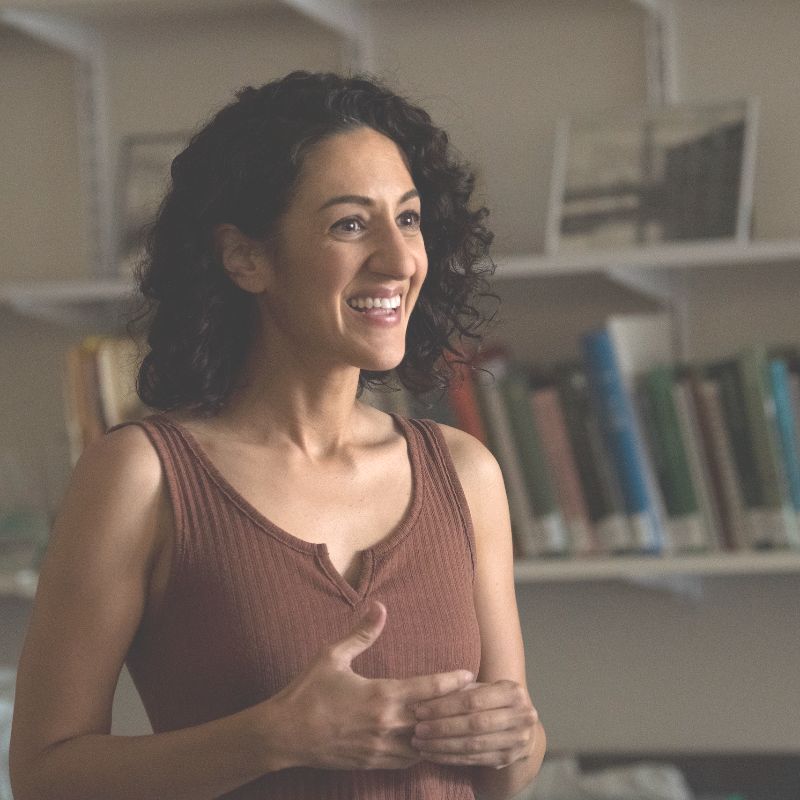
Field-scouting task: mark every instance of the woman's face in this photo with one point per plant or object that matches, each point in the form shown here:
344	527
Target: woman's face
352	231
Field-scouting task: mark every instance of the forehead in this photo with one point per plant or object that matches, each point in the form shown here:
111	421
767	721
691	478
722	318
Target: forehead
361	161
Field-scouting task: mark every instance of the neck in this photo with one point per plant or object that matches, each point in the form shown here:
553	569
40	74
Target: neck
296	404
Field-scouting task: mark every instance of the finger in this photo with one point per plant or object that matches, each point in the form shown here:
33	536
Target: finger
361	637
485	697
470	745
497	759
484	722
427	687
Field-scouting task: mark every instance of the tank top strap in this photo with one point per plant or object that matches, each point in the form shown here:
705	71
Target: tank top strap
438	462
179	468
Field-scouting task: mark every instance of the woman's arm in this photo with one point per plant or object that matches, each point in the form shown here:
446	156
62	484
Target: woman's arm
492	724
89	603
90	600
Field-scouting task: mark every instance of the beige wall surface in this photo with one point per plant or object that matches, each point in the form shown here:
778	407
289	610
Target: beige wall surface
42	222
163	76
729	49
172	74
498	74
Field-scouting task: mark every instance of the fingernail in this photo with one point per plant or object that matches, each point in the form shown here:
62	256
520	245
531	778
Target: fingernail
422	729
468	677
423	713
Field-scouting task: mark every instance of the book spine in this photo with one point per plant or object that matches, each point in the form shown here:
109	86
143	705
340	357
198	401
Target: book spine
699	469
533	461
461	394
621	431
603	496
549	419
529	539
787	432
666	438
777	521
731	503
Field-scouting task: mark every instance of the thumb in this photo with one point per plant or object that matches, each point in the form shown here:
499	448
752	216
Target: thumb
362	636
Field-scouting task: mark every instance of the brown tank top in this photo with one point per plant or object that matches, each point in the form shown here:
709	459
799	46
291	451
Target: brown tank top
248	605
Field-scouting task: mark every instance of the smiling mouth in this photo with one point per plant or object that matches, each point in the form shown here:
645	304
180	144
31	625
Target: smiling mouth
375	304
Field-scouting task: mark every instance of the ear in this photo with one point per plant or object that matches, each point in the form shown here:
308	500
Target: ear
245	260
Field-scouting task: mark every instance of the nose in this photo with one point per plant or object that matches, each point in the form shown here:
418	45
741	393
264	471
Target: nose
397	254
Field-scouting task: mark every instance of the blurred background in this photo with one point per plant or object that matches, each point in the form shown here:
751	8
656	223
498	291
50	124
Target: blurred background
695	669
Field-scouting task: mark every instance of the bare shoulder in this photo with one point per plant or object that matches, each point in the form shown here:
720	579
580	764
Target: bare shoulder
129	446
472	459
476	466
113	499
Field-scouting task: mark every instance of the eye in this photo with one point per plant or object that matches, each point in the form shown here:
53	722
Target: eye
409	219
349	225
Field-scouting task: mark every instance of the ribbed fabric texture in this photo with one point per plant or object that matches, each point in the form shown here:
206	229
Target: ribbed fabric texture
249	605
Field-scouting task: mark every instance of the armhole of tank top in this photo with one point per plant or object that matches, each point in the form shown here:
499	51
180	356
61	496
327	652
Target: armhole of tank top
446	459
168	471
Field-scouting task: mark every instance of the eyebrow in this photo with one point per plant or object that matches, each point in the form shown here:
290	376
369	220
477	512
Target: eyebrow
362	200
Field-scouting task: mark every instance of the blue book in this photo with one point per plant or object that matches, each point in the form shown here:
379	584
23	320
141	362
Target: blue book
787	431
624	440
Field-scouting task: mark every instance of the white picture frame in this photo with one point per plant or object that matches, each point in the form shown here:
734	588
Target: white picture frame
143	180
648	177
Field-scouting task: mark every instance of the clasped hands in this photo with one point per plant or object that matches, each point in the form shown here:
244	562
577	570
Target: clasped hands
333	718
483	724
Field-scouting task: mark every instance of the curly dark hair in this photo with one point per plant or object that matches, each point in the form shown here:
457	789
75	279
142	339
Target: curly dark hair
240	169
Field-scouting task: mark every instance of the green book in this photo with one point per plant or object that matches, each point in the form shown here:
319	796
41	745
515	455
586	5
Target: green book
746	400
778	525
670	459
516	392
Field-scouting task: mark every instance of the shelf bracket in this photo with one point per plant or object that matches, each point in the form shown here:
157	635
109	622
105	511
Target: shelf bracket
661	56
668	288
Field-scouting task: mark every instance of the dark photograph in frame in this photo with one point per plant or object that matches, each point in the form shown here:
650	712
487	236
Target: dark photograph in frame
649	177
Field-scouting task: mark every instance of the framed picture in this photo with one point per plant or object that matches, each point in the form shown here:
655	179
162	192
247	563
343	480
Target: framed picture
144	177
653	176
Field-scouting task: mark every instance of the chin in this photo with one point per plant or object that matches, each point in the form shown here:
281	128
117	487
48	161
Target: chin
381	364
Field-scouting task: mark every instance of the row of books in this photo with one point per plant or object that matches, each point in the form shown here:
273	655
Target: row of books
99	388
630	452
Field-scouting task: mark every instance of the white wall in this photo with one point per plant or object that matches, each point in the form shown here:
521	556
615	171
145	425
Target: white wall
740	49
172	74
498	75
42	224
162	77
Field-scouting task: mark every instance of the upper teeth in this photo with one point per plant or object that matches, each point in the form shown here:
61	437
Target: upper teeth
374	302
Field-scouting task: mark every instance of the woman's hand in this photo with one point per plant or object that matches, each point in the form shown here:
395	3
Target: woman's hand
333	718
484	724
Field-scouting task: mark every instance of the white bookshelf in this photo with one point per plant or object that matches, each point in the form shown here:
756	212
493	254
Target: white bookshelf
677	256
99	302
20	584
93	300
584	570
634	567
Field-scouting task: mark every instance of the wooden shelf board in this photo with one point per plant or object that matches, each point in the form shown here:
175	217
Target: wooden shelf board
634	567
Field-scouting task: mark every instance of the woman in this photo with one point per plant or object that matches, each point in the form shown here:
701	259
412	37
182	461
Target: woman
314	598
